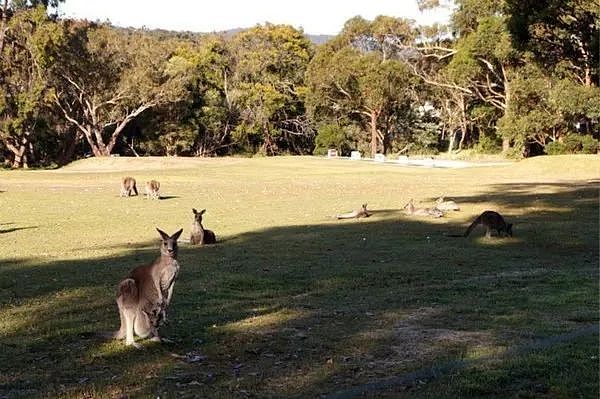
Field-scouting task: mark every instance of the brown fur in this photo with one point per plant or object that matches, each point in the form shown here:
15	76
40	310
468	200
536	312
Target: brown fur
128	187
430	212
152	188
359	213
491	221
443	205
200	235
143	297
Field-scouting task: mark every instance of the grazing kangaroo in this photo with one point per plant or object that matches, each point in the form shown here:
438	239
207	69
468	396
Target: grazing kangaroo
145	294
491	221
199	234
359	213
411	210
128	187
152	188
446	205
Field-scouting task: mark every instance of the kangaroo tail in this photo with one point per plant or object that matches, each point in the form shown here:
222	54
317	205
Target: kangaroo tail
473	225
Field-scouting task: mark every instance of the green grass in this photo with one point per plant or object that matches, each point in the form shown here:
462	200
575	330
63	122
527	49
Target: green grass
291	302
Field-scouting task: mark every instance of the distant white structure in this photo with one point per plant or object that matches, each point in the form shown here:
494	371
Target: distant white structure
332	153
379	158
402	158
355	155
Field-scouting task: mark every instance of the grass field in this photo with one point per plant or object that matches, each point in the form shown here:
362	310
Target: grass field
291	302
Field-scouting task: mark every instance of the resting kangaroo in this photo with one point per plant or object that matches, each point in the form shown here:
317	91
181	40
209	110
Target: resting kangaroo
152	188
145	294
446	205
491	221
359	213
128	187
411	210
199	234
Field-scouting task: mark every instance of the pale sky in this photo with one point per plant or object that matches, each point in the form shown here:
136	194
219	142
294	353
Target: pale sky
314	16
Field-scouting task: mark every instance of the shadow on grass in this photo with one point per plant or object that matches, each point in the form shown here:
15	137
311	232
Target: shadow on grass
305	310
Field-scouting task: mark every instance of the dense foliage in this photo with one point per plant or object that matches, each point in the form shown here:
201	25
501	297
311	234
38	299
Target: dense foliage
513	76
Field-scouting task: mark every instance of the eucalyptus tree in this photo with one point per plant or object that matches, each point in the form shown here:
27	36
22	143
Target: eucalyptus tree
357	77
266	87
526	59
30	52
9	7
109	77
205	113
563	35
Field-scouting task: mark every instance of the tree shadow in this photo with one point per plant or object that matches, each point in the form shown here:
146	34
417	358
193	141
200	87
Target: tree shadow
304	310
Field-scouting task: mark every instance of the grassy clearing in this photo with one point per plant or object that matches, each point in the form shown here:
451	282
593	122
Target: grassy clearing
292	303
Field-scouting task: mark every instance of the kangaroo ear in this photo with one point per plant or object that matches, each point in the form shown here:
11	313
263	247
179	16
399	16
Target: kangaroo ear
202	211
176	235
194	210
164	235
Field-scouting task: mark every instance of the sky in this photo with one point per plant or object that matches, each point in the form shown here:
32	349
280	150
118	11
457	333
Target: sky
313	16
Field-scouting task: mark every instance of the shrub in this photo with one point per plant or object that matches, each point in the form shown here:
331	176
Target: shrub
573	144
488	144
589	145
555	148
331	136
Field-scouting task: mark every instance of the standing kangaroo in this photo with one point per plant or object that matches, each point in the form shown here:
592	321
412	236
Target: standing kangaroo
491	221
359	213
446	205
128	187
199	234
411	210
145	294
152	188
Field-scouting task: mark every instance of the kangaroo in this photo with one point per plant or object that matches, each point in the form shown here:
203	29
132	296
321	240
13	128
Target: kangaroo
446	205
152	188
199	234
411	210
359	213
145	294
491	221
128	187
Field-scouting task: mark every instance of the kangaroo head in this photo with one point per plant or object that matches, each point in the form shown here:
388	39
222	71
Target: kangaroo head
198	215
364	207
409	204
169	244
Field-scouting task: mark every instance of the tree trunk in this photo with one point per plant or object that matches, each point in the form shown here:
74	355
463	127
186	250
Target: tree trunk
94	139
463	135
452	141
3	25
374	136
20	151
20	160
505	145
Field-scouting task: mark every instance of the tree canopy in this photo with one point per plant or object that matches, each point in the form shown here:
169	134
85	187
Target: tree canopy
504	75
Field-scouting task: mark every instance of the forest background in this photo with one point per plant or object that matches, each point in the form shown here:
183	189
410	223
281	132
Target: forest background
511	77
